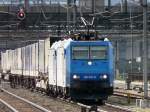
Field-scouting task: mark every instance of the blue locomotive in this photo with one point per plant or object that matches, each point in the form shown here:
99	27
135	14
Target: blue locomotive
83	70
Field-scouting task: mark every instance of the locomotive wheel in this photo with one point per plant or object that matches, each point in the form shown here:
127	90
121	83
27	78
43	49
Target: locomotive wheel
101	102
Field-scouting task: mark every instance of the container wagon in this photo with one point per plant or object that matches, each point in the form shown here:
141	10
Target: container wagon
28	65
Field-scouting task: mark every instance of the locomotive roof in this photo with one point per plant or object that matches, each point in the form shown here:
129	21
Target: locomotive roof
60	43
66	42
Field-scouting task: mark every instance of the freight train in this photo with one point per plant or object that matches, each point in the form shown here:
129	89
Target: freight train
80	69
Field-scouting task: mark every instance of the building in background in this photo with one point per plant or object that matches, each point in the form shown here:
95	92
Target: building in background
89	3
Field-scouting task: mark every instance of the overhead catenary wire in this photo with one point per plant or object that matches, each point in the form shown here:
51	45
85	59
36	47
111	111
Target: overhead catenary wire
87	22
43	13
46	18
5	12
133	17
9	25
84	20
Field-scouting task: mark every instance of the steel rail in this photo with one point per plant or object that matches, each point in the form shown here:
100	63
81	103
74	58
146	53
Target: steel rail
107	104
27	101
9	106
119	107
126	94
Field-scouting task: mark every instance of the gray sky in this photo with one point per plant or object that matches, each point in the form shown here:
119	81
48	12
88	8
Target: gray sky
118	1
113	2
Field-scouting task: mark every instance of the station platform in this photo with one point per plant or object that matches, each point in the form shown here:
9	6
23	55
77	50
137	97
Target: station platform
135	87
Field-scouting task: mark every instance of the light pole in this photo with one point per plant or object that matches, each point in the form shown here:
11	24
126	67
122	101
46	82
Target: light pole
128	80
144	4
144	49
68	7
131	25
109	4
26	4
69	2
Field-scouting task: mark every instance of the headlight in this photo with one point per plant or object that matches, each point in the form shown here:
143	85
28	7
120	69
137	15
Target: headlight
76	77
103	76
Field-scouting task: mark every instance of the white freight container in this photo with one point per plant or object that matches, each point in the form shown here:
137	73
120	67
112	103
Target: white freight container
8	60
19	68
27	61
30	60
32	67
3	61
47	47
41	56
33	71
16	64
44	46
13	60
6	57
36	59
23	59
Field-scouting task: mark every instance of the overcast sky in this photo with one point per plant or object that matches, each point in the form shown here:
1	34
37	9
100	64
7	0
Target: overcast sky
119	1
113	2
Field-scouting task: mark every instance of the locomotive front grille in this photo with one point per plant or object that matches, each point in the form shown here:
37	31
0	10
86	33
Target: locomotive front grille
86	86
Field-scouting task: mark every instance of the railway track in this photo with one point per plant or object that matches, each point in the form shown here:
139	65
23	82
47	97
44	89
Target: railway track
5	107
107	107
84	108
18	104
42	99
118	108
128	94
103	108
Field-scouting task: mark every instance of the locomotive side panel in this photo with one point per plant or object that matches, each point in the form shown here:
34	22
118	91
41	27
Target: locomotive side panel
61	65
52	67
111	66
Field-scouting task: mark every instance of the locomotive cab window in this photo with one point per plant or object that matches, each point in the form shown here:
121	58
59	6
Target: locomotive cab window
80	52
98	52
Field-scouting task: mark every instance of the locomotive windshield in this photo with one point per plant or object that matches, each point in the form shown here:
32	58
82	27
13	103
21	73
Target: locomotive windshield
89	52
80	52
98	52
